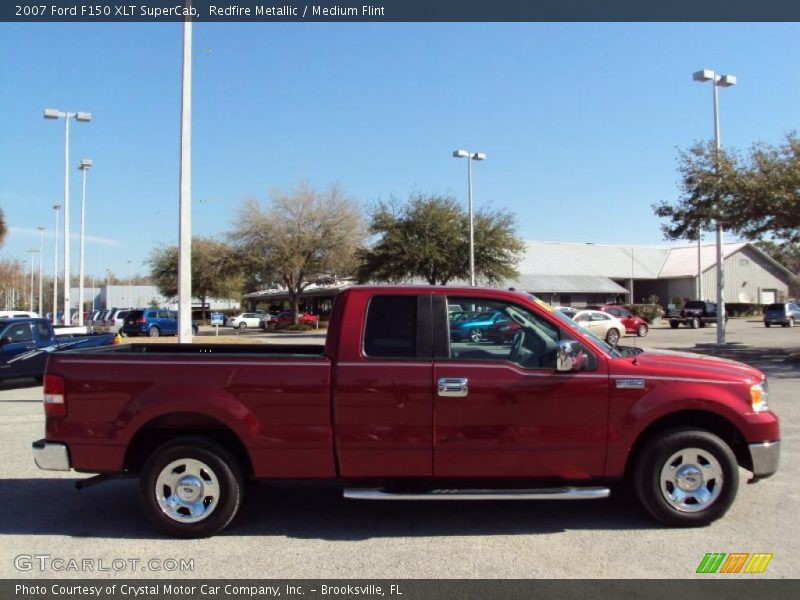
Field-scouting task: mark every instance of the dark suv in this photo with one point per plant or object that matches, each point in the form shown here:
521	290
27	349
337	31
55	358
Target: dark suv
782	313
153	322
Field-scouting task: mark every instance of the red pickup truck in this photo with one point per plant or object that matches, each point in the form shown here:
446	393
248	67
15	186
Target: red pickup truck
392	408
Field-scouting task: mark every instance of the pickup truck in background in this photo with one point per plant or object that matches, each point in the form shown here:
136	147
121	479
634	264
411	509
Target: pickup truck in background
26	343
394	408
694	314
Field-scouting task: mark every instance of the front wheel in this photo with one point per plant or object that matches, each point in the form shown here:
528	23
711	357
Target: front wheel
686	478
790	323
242	325
191	487
612	337
674	324
694	323
642	330
476	335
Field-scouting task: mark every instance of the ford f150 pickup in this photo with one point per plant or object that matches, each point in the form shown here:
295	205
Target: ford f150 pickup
25	344
393	408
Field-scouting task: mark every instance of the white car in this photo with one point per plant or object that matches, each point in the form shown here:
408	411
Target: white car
601	324
244	320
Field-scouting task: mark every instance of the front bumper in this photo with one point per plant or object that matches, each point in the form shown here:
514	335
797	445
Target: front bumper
764	458
50	456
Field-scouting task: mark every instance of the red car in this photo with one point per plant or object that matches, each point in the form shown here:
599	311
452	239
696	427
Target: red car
287	318
503	331
633	324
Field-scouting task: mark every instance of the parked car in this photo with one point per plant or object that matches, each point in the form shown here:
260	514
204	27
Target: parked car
633	324
115	320
503	330
286	317
474	327
389	409
153	322
266	320
244	320
782	313
25	344
694	314
569	311
601	324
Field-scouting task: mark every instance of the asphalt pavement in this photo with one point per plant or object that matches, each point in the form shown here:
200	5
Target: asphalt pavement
309	531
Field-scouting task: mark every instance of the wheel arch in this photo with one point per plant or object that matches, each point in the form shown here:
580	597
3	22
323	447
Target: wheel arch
166	427
692	419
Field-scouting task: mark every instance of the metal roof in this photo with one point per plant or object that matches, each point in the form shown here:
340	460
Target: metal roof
614	261
682	262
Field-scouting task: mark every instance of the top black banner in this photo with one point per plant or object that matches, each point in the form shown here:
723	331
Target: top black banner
387	11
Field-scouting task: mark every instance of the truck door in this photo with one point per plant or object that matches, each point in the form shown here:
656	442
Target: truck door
383	403
502	410
16	340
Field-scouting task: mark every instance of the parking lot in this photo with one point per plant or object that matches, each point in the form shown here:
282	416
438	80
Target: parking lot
310	531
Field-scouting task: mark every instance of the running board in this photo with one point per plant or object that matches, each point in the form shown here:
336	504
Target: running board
560	493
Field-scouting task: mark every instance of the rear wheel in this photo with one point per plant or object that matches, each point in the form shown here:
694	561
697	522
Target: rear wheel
154	332
766	323
612	337
641	331
242	325
687	477
694	323
191	487
674	324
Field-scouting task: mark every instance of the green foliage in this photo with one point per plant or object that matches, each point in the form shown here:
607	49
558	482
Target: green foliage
428	237
752	197
648	312
216	271
3	228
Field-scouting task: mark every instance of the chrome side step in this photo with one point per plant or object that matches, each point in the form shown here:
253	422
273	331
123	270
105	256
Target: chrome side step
560	493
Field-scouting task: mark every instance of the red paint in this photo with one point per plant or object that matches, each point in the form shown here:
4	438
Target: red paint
343	414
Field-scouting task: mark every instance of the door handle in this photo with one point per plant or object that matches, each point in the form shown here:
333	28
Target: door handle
454	387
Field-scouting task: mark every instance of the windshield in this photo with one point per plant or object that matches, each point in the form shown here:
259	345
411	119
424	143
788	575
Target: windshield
565	320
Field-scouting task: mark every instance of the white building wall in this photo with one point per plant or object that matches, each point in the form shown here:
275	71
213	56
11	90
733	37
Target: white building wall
747	276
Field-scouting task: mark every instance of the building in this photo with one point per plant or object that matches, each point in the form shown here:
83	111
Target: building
140	296
579	274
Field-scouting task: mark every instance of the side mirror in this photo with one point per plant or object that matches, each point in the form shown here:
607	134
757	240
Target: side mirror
568	357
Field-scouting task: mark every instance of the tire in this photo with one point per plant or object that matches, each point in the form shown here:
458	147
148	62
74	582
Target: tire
694	323
790	323
642	330
476	335
209	471
674	324
154	331
242	325
766	324
686	478
612	336
195	330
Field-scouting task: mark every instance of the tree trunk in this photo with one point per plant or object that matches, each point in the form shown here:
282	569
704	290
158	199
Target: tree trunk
294	298
203	305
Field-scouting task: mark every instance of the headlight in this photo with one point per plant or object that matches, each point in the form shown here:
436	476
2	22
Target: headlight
759	395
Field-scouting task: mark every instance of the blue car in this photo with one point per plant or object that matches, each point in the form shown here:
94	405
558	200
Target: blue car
474	329
782	313
153	322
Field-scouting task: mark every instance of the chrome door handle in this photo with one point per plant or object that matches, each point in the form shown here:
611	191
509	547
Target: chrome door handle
455	387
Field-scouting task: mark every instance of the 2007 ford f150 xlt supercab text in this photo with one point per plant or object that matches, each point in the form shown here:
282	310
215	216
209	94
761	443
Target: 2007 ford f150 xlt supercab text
392	408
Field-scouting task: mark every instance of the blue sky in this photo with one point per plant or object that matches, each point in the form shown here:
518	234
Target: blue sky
580	121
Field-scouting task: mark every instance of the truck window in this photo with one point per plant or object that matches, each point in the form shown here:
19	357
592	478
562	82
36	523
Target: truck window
42	331
391	327
514	334
21	332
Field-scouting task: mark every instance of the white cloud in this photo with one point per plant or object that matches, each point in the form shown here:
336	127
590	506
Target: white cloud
48	233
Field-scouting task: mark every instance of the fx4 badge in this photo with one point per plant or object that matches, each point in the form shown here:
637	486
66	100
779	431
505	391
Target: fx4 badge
630	384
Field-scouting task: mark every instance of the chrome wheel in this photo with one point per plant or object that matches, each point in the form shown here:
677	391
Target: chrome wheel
612	337
691	480
642	331
154	332
476	335
187	490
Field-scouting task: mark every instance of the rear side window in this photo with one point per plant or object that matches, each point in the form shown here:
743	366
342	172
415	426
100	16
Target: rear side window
42	330
776	307
391	327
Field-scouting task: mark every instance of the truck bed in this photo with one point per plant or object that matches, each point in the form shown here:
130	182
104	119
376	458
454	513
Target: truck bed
289	350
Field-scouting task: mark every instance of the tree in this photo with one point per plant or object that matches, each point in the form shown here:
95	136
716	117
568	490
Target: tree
299	236
3	228
216	272
428	237
752	197
788	254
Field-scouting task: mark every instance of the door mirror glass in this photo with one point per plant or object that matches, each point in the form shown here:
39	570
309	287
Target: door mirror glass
568	356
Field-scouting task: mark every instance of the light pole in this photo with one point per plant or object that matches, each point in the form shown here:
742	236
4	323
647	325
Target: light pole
41	255
82	117
84	166
716	82
470	156
57	208
31	251
130	299
185	198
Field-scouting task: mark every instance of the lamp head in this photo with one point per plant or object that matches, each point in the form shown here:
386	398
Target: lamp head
704	75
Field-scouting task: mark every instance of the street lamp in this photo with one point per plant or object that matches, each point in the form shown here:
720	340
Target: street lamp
41	255
130	298
716	82
82	117
57	208
470	156
84	167
31	251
